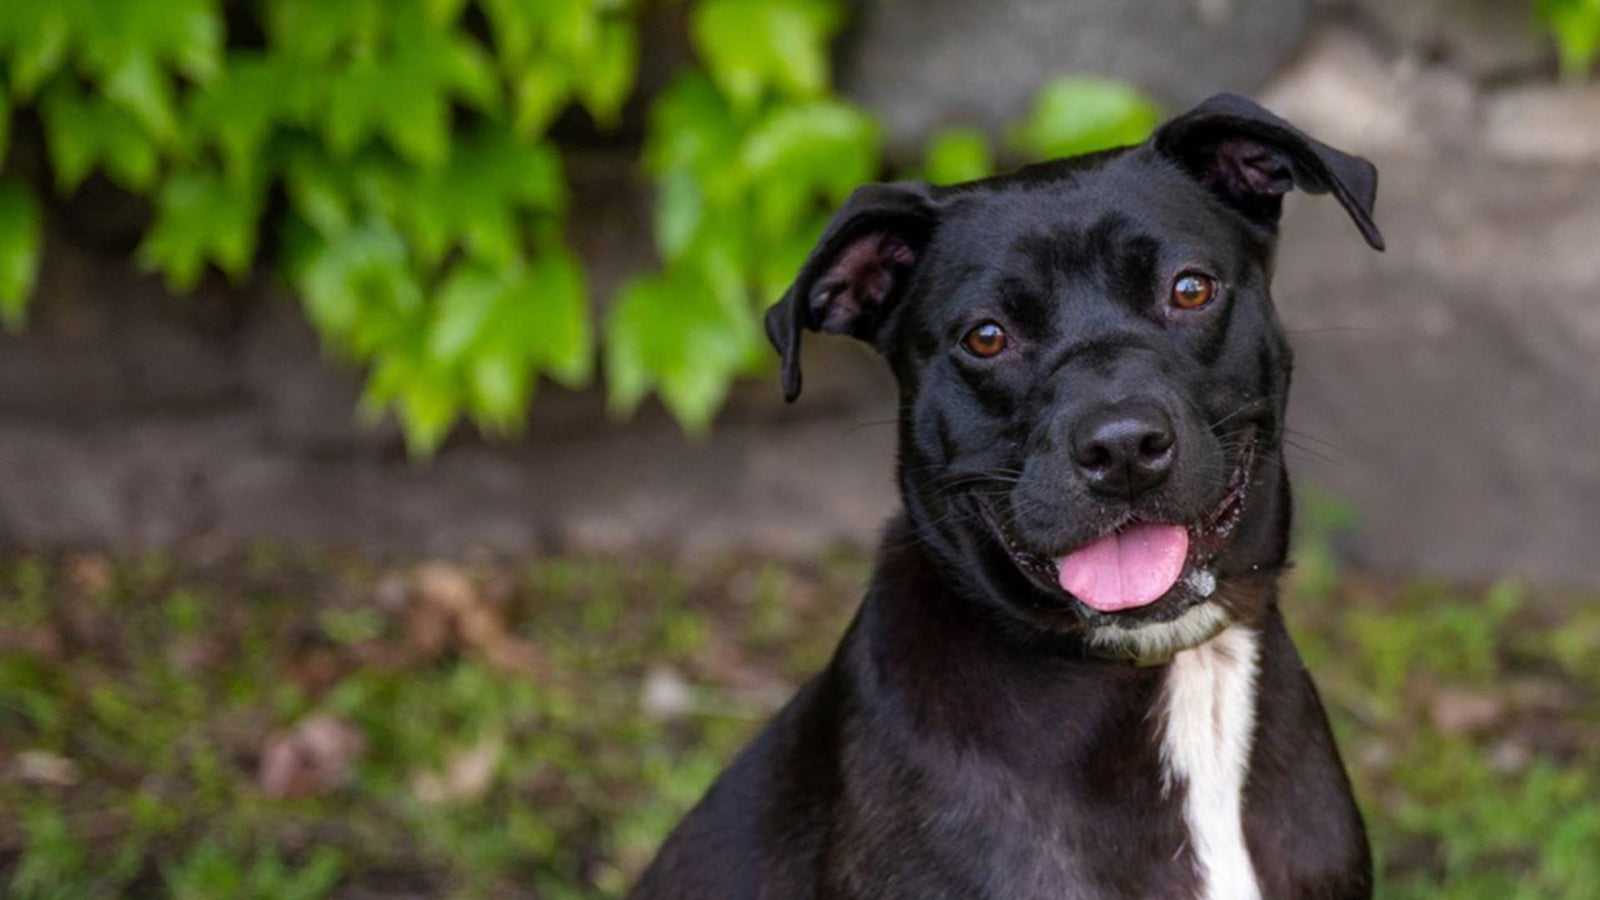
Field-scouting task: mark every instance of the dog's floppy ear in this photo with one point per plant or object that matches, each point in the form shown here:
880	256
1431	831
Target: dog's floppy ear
1250	158
856	272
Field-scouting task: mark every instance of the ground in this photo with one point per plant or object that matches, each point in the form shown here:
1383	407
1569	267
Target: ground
271	724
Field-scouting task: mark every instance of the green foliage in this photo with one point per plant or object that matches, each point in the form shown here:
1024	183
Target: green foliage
20	248
422	227
161	685
957	154
212	870
1575	25
425	205
747	158
1075	115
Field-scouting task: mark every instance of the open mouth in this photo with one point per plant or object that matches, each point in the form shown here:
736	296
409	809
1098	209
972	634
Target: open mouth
1136	563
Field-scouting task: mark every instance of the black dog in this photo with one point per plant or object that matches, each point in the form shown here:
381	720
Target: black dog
1069	677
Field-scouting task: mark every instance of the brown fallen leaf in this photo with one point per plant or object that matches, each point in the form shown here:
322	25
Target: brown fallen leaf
466	777
90	573
445	594
314	757
42	767
1459	711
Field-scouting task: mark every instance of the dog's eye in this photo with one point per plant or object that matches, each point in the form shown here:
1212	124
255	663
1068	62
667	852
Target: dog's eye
1192	290
986	340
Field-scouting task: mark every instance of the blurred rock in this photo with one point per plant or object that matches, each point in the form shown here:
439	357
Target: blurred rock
665	695
1545	124
1486	38
925	64
1345	92
1448	388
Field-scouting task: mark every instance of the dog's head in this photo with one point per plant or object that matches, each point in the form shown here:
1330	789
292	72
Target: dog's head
1092	378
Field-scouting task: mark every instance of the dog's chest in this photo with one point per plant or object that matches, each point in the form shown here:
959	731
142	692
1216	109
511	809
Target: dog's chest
1208	715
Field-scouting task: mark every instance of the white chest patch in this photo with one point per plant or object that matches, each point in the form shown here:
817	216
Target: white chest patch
1208	719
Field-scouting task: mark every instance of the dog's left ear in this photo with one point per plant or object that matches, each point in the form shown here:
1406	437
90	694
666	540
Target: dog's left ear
1250	158
857	271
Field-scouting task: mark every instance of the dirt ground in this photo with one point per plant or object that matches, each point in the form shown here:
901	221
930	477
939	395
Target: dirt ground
273	725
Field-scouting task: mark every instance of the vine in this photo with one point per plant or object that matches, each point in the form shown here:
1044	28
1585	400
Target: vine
423	202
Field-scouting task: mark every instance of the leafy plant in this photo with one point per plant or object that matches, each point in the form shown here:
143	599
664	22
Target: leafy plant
742	153
211	871
1075	115
1575	25
423	205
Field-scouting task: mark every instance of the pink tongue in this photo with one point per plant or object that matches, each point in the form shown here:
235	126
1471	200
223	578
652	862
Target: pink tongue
1128	568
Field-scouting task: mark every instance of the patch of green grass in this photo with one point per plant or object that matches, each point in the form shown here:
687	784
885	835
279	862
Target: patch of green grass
1470	721
534	730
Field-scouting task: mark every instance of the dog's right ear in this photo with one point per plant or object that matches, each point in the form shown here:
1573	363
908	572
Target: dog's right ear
857	271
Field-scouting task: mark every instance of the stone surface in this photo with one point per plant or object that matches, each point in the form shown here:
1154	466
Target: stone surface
925	64
1485	38
1447	388
1545	124
1347	93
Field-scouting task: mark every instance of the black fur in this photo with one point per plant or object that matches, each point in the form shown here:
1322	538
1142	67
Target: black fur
968	740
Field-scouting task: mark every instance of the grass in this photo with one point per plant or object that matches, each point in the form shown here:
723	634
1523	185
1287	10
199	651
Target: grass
505	729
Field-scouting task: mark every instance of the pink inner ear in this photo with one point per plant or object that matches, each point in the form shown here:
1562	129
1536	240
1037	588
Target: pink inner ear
861	278
1244	167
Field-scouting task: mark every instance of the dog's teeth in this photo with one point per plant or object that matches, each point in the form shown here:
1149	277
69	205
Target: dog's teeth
1202	582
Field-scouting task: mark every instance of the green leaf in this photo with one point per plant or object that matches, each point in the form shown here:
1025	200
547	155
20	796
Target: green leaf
514	25
1074	115
608	76
359	288
238	110
21	244
317	192
443	13
755	46
200	217
670	332
541	90
957	154
317	30
427	398
478	199
82	132
780	261
680	207
114	37
462	306
692	128
141	86
5	123
549	308
1575	24
800	150
34	38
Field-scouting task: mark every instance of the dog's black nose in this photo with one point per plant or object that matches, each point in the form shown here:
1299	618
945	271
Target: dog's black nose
1124	451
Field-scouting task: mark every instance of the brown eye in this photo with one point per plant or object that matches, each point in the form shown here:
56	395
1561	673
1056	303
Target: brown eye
985	340
1193	290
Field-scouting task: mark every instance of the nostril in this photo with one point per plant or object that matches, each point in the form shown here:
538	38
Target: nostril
1155	444
1095	456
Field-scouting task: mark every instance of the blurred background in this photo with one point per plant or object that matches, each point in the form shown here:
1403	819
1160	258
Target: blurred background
395	500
